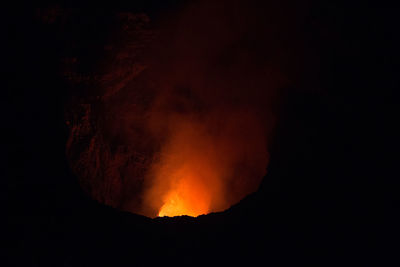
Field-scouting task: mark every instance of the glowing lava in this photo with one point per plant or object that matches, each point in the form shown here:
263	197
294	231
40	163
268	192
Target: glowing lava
205	165
177	205
188	196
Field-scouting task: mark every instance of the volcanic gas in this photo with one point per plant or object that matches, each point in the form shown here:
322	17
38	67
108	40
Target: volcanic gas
179	120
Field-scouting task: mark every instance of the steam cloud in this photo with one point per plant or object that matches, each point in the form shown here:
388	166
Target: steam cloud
186	131
211	115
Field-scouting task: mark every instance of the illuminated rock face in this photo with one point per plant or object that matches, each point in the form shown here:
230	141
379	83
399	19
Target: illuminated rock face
105	150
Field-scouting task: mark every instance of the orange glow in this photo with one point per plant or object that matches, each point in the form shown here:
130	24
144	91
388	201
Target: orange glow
187	177
186	198
204	164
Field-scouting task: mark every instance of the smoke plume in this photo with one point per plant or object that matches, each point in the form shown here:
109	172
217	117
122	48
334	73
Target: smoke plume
186	128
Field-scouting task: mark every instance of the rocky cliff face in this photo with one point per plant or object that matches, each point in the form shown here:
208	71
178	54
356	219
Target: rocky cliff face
107	168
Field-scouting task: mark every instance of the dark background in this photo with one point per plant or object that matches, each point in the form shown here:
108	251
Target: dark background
330	196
